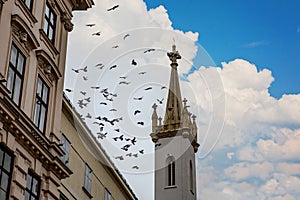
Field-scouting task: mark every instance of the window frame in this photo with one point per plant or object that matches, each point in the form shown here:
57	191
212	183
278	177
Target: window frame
47	24
65	147
4	153
88	173
170	172
107	194
36	178
13	68
28	6
191	177
39	102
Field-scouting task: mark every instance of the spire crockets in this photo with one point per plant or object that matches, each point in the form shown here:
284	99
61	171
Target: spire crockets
177	120
174	104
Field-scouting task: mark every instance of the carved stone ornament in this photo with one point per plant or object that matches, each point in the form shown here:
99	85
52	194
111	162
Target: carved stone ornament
66	20
3	1
22	36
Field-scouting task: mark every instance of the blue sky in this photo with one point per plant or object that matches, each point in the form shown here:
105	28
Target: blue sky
267	33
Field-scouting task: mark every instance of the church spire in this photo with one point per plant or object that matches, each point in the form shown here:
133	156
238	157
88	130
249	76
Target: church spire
174	104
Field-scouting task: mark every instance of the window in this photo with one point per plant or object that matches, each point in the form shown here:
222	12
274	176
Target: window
28	4
41	105
49	23
88	179
5	173
15	74
62	196
65	146
191	177
171	171
107	195
32	187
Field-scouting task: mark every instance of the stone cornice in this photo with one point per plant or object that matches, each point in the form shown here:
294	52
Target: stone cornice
17	123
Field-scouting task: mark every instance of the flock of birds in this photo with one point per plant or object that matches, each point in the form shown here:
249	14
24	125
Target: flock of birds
107	97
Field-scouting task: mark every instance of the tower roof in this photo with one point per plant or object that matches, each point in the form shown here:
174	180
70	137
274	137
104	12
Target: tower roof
174	103
177	120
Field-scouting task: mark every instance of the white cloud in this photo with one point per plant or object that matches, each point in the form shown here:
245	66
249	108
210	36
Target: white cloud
256	44
243	170
289	168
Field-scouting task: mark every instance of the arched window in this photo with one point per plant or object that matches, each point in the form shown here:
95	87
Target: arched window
170	171
191	177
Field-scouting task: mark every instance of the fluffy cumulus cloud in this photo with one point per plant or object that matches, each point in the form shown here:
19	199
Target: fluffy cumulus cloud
259	144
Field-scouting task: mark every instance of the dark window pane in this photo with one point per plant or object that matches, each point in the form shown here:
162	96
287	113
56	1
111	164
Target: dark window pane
45	94
27	195
28	181
10	80
20	64
45	28
42	118
13	56
17	89
4	181
39	87
47	11
37	113
1	157
7	162
2	194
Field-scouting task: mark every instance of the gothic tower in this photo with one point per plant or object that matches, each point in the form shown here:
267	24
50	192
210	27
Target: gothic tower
175	143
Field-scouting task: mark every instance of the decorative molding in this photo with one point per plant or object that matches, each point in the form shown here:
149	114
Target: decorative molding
24	34
48	66
3	1
66	20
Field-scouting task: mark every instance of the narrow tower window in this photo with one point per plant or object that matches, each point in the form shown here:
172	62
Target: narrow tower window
191	177
170	171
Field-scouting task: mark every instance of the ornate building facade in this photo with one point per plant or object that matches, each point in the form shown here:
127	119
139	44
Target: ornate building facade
41	156
175	143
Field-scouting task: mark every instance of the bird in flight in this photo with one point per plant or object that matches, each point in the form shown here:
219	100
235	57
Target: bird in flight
140	123
90	25
119	157
160	101
157	145
97	33
102	135
149	50
135	167
136	112
116	46
163	87
68	90
84	69
124	82
123	77
113	8
133	62
83	93
148	88
125	36
76	70
114	66
141	73
138	98
99	65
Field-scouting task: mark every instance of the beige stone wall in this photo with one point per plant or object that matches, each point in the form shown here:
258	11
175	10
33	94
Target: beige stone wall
83	152
31	149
